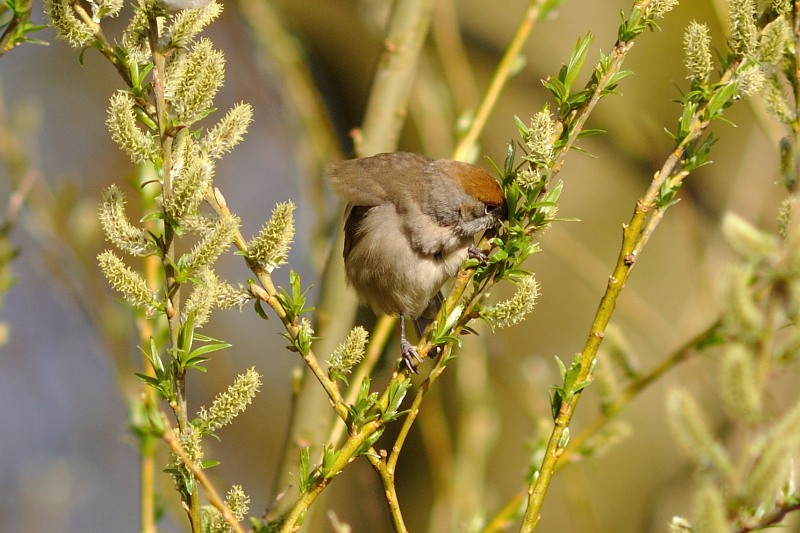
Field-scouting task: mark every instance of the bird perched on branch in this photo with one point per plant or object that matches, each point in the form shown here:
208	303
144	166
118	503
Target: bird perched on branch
410	222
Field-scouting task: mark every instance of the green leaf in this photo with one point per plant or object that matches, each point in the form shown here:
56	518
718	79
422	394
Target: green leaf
562	369
721	99
522	128
294	302
556	400
367	444
155	215
559	91
329	457
209	348
685	123
149	380
591	132
186	334
578	99
397	392
306	477
576	60
511	155
260	309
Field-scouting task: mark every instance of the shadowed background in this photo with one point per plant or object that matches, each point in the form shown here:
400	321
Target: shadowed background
66	457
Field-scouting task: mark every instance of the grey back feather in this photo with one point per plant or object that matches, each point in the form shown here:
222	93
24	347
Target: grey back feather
372	181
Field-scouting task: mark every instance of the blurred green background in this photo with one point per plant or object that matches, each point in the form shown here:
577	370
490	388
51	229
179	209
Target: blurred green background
67	461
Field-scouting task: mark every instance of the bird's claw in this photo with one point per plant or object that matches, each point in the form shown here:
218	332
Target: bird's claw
410	356
474	253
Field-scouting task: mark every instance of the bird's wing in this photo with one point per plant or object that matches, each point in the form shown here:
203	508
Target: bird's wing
371	181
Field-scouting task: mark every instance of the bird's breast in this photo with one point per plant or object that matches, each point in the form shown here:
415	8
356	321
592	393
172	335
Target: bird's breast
388	273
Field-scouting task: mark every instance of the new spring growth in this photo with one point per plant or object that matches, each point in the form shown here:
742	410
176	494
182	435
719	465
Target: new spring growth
710	513
540	139
740	392
782	7
775	42
238	501
229	404
139	145
210	247
775	98
181	476
192	174
773	458
514	310
742	318
118	229
270	247
659	8
239	504
228	132
105	8
209	291
128	282
305	335
134	38
742	15
774	47
67	25
187	23
750	80
692	433
192	81
697	45
348	354
750	243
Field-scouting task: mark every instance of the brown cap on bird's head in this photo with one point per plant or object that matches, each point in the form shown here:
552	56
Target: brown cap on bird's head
476	182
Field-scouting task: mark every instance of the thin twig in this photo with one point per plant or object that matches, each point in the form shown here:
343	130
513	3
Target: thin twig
637	386
413	412
346	455
269	295
645	217
504	71
387	106
213	497
102	44
378	339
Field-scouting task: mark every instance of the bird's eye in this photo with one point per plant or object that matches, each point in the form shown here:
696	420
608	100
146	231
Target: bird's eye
486	210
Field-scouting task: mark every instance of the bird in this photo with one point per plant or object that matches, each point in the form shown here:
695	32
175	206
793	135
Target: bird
410	222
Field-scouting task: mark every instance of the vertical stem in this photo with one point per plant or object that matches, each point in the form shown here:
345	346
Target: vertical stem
147	445
387	107
504	70
171	284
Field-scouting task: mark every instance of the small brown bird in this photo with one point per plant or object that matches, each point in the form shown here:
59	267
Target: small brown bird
409	224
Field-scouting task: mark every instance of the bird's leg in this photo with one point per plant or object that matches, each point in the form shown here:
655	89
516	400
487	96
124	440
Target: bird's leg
410	357
474	253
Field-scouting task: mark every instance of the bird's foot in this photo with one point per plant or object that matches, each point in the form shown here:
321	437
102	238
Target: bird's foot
474	253
410	356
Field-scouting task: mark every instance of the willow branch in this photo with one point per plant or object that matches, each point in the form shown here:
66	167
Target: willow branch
635	235
269	295
387	106
213	497
637	386
505	70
